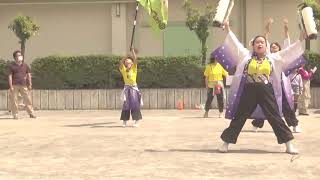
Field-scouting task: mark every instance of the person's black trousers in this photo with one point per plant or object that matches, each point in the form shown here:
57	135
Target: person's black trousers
210	97
125	115
254	94
288	114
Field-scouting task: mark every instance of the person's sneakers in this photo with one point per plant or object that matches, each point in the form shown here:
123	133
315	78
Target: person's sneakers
291	149
206	114
124	124
220	114
32	116
224	148
136	123
297	129
15	116
255	129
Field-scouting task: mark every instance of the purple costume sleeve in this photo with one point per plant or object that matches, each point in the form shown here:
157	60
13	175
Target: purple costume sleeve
230	53
295	65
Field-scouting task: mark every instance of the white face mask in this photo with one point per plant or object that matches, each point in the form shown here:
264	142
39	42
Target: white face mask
20	58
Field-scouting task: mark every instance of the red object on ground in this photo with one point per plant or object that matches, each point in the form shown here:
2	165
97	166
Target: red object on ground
180	105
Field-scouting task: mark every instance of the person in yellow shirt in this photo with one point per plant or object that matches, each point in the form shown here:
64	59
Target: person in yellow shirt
214	74
131	96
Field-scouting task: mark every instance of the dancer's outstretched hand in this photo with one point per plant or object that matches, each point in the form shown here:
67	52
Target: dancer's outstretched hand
314	69
285	21
133	53
269	23
286	27
268	27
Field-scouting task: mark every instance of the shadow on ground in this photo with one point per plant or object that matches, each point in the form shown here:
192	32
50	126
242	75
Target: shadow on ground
91	124
241	151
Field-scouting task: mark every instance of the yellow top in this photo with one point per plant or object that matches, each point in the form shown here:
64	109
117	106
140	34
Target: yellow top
214	72
259	68
130	76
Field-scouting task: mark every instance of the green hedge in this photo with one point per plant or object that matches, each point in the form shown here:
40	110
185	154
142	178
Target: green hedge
94	72
3	74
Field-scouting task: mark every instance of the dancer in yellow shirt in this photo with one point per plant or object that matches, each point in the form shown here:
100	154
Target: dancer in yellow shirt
131	96
214	74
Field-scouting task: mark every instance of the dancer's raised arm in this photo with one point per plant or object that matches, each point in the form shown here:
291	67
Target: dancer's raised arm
290	54
231	52
286	33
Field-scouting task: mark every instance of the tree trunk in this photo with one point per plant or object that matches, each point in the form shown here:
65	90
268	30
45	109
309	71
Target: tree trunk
23	47
204	51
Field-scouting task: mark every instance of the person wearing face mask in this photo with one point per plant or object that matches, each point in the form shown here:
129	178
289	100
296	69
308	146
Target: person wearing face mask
214	74
286	94
20	82
258	77
131	96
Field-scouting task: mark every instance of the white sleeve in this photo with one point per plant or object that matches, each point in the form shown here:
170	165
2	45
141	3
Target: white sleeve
235	47
268	47
290	54
286	43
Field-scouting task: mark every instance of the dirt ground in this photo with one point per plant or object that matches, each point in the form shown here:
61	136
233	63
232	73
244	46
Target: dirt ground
169	145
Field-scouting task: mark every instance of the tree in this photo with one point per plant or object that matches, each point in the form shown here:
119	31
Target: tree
199	24
24	28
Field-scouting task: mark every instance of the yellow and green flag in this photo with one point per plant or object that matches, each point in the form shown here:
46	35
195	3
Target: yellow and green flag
158	11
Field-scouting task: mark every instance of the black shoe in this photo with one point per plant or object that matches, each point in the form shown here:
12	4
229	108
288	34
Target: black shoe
304	114
33	116
206	114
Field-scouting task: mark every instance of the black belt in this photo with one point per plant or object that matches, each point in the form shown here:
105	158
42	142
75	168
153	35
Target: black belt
257	79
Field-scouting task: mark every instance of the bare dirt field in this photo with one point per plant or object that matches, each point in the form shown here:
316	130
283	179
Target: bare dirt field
169	144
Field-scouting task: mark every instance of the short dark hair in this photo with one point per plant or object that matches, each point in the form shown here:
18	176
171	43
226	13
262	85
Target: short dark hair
14	54
277	44
255	38
212	60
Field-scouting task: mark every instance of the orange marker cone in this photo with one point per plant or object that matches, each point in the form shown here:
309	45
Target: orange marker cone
180	105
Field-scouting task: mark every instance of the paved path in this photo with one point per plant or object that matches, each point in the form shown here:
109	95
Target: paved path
169	145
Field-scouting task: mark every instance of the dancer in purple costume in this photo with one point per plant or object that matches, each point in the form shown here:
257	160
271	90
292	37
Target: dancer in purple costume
287	95
131	96
257	78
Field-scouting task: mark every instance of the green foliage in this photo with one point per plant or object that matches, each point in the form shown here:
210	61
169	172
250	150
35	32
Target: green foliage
170	72
24	28
4	74
79	72
95	72
199	24
101	72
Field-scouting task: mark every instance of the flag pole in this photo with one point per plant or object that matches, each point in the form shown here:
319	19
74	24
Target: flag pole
134	24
